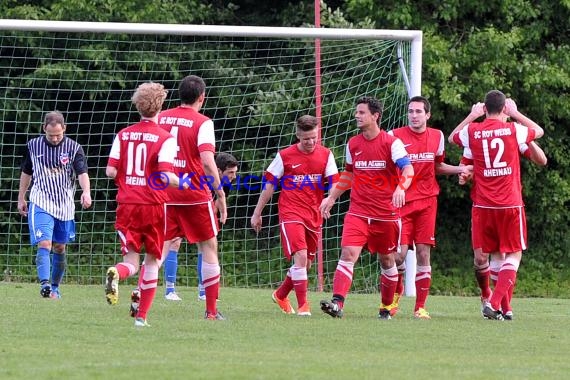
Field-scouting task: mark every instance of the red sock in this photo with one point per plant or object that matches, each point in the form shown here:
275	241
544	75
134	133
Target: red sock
423	284
388	281
400	284
212	293
148	284
147	297
211	281
342	280
300	283
506	301
482	275
512	290
125	270
506	279
301	291
285	288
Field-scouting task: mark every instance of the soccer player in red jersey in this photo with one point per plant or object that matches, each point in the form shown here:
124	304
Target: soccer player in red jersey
141	163
227	169
498	218
378	172
485	271
302	171
426	151
191	213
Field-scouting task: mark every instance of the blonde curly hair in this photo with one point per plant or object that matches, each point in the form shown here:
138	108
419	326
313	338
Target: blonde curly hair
148	98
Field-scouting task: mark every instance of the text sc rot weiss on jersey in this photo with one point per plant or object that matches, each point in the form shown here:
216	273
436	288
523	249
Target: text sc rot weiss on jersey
252	182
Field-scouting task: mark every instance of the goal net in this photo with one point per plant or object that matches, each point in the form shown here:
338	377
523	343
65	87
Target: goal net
259	81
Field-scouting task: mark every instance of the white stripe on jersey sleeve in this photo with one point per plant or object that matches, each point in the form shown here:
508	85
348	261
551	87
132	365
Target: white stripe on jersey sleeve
467	153
441	147
276	166
522	133
398	150
168	151
331	168
116	148
464	136
206	133
348	156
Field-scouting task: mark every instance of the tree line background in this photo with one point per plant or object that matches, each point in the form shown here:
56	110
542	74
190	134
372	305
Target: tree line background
470	47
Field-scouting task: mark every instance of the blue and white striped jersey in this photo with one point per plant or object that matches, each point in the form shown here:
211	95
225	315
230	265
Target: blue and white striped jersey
54	169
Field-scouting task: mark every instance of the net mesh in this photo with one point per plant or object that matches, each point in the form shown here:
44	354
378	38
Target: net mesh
256	89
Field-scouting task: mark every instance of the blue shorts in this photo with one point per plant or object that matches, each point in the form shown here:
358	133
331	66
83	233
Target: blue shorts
44	226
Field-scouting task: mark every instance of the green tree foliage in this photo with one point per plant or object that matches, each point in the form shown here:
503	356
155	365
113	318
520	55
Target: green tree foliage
517	46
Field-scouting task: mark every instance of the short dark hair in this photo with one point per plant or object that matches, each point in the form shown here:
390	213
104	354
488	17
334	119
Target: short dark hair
307	123
225	160
374	105
495	102
190	89
53	118
427	106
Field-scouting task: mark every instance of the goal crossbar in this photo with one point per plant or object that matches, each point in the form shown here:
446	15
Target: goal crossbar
255	93
414	36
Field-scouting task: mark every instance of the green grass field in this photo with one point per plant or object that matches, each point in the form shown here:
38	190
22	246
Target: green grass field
82	337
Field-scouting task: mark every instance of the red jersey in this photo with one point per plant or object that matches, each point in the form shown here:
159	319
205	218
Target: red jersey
138	153
424	151
467	159
303	178
194	133
494	146
375	175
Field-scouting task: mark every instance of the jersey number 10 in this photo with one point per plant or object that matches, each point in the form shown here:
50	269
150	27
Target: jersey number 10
136	158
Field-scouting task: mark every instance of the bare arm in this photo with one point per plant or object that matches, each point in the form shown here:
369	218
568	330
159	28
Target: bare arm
266	194
86	187
211	170
399	196
25	180
344	183
477	110
446	169
111	171
537	154
512	111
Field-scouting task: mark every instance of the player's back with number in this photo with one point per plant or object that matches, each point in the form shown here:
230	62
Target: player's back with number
496	163
194	133
136	153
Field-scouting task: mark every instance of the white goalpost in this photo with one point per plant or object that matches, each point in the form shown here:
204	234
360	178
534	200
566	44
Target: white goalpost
259	81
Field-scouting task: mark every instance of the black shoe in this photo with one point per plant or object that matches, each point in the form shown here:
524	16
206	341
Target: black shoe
135	299
384	314
331	308
45	291
214	317
490	313
508	316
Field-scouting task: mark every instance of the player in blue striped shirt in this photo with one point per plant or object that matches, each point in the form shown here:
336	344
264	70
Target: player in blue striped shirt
51	164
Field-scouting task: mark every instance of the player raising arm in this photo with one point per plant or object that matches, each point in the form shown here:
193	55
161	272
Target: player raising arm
498	217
